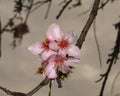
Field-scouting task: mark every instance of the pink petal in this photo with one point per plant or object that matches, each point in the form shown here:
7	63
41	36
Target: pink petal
53	46
46	54
71	37
54	32
35	48
50	71
73	51
62	52
72	62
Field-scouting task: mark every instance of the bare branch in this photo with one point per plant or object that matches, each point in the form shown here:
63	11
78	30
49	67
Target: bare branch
48	9
64	1
88	23
97	44
113	57
12	93
64	7
43	83
103	4
38	5
0	36
29	9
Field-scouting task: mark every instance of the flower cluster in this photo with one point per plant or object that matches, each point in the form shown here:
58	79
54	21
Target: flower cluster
58	54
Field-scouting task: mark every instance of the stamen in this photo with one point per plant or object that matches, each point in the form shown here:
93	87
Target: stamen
63	44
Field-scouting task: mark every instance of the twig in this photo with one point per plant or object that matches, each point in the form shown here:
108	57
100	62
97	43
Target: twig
88	23
6	91
103	4
111	60
0	37
28	13
64	1
78	3
43	83
48	9
64	7
12	93
97	44
106	77
40	4
86	11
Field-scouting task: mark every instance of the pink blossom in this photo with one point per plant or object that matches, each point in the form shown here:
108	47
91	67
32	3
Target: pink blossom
58	63
43	48
62	44
57	53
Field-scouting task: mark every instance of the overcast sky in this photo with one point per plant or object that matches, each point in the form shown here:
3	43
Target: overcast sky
18	66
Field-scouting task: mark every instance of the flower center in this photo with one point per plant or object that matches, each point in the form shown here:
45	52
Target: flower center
45	44
59	60
63	44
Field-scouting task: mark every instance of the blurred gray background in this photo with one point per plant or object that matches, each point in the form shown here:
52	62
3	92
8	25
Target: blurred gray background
18	66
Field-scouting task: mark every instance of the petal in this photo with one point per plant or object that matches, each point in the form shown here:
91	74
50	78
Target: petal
54	32
71	37
73	51
53	46
35	48
62	53
50	71
46	54
72	62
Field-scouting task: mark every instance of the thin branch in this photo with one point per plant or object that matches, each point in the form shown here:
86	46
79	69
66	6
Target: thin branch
28	13
105	78
0	36
5	90
103	4
90	20
113	57
48	9
43	83
39	2
64	1
64	7
12	93
38	5
86	11
97	44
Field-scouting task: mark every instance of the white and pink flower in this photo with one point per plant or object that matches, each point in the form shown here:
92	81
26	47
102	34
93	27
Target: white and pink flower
63	43
58	63
57	53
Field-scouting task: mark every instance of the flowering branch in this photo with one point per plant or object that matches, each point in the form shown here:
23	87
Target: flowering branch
59	59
